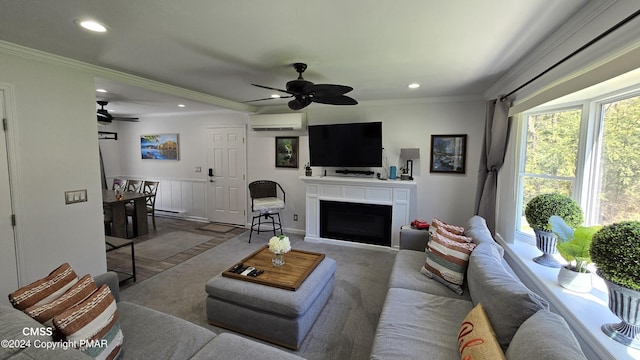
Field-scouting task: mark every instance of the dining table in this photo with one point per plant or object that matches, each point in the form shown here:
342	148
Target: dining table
119	213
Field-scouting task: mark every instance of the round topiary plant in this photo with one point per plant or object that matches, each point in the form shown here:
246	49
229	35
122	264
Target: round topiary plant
542	207
616	252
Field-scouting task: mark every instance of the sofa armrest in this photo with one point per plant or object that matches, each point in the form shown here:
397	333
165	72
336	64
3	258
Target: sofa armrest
413	239
111	279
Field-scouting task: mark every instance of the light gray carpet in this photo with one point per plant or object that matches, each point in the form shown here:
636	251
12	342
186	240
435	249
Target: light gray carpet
168	245
346	326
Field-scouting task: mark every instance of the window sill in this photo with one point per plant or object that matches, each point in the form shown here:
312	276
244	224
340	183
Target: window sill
585	313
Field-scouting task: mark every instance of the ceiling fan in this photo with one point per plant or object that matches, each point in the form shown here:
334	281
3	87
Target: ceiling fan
305	92
105	118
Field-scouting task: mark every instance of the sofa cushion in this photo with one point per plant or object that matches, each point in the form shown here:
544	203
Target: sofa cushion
93	319
477	339
447	261
506	300
479	232
544	336
405	275
76	293
44	290
153	335
415	325
226	347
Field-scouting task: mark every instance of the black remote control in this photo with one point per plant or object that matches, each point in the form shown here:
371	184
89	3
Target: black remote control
236	267
255	273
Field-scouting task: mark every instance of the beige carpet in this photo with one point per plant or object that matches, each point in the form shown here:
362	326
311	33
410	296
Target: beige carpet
168	245
217	228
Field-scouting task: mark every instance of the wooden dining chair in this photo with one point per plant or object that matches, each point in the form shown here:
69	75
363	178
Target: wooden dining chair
133	185
117	182
149	188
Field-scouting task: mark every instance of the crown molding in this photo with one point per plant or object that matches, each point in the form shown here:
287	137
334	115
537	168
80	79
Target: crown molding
99	71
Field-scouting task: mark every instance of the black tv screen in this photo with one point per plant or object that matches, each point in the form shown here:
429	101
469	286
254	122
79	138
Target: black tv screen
346	145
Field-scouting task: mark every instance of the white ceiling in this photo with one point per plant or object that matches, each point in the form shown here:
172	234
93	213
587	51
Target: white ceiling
452	48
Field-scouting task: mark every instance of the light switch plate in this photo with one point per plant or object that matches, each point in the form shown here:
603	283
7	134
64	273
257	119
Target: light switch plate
75	196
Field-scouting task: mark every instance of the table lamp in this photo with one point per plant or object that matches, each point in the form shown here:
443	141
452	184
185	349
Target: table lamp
410	154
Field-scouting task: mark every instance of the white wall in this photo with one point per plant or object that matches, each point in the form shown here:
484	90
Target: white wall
410	124
53	148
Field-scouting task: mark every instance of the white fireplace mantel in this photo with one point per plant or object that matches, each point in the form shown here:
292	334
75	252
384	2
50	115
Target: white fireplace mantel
400	195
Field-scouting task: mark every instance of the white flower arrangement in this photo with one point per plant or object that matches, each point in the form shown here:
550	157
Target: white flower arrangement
279	244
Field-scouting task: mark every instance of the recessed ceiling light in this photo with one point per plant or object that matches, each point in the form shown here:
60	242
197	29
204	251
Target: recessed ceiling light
182	105
101	90
92	25
414	86
275	96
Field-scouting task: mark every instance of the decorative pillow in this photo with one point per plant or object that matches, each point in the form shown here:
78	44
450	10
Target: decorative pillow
44	290
544	335
507	302
455	237
447	261
437	223
93	323
78	292
476	339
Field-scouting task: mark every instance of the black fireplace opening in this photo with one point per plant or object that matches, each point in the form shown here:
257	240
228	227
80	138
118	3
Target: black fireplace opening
357	222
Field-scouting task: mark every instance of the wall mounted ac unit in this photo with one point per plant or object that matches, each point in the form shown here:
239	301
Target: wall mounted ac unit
277	122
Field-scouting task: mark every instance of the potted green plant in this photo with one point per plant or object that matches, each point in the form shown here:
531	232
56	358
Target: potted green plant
538	211
574	245
616	252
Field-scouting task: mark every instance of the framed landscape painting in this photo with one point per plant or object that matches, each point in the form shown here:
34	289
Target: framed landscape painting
287	151
448	154
159	147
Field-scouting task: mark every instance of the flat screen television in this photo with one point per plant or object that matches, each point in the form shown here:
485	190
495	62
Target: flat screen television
346	145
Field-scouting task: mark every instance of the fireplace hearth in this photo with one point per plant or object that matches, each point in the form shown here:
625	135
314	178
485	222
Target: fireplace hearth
356	222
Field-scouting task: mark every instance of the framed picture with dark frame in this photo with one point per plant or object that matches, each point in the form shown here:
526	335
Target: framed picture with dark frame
287	151
448	154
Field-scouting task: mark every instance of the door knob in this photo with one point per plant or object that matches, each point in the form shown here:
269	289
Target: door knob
211	175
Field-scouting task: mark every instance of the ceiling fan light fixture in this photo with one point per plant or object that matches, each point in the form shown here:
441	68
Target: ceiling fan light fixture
414	86
92	25
182	105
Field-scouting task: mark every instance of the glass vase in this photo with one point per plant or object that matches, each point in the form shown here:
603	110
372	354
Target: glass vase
278	259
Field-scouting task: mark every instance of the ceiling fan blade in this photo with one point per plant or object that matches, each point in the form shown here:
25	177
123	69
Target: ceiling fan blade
272	88
125	118
334	100
299	103
329	89
269	98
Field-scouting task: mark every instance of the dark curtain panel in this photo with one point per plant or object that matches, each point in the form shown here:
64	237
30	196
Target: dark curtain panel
494	146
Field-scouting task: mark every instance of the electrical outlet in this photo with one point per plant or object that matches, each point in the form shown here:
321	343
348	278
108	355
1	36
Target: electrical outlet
295	217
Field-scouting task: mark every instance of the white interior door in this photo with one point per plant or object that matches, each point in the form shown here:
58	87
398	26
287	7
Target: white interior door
8	265
226	164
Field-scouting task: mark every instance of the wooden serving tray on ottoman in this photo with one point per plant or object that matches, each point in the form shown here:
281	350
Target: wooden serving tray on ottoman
298	265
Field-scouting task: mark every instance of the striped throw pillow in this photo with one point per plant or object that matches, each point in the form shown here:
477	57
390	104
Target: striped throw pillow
437	223
93	325
45	290
76	293
447	261
455	237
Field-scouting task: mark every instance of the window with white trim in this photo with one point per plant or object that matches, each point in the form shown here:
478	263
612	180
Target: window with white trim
589	150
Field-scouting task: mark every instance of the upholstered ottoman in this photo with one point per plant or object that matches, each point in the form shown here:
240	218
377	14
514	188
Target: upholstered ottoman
279	316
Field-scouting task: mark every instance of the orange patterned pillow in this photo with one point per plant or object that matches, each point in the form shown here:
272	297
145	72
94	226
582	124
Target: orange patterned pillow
45	290
476	339
78	292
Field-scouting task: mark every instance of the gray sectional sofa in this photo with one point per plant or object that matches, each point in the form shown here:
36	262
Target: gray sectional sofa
148	334
421	318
